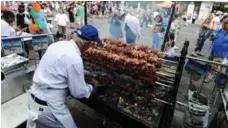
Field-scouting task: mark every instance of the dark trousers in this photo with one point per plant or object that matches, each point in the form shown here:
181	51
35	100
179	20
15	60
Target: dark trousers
149	20
193	21
200	45
144	21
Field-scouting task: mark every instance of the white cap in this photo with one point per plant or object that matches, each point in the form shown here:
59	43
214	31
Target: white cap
219	12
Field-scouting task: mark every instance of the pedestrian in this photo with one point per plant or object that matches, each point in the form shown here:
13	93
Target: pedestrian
62	21
156	36
144	19
6	25
52	5
215	22
194	16
149	15
103	10
169	48
219	48
57	6
115	28
175	27
110	10
23	19
7	29
48	13
58	75
71	15
80	14
95	9
204	33
132	27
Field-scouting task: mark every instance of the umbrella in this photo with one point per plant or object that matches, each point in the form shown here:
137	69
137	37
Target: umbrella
165	4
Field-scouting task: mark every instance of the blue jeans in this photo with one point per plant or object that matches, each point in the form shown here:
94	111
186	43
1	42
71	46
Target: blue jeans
130	36
156	40
200	44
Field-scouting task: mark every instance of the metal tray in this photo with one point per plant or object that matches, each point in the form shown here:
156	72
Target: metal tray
11	62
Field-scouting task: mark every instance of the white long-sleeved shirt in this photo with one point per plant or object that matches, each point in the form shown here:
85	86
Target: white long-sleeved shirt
61	68
133	24
7	30
62	19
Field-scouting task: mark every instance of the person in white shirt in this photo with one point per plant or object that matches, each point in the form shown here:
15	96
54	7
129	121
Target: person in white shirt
194	16
132	27
62	21
57	6
215	22
60	72
6	29
169	48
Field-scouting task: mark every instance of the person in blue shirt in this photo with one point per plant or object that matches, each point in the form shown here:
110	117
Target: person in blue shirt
220	41
115	29
203	35
219	48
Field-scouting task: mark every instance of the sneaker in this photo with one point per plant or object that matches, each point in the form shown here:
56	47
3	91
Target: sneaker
175	47
194	54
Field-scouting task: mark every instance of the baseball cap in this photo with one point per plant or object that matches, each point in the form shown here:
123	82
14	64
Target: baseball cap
89	33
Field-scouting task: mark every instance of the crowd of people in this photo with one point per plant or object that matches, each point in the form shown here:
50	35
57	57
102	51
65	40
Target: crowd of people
67	15
71	14
132	20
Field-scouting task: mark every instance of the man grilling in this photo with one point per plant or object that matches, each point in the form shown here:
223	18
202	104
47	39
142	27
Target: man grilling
60	71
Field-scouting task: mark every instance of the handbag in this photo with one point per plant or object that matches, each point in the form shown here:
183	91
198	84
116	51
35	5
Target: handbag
27	21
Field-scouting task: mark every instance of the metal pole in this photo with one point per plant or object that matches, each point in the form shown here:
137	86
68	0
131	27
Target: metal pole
207	61
85	17
168	112
168	27
35	35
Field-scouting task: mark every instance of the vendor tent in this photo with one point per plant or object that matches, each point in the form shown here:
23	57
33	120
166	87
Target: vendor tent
167	4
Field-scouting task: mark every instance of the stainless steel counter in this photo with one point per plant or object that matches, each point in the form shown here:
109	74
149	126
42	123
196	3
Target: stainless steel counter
12	87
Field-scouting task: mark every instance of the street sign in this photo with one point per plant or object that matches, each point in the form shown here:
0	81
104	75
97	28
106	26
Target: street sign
10	46
40	42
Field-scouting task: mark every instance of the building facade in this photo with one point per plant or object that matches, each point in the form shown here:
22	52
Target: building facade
203	8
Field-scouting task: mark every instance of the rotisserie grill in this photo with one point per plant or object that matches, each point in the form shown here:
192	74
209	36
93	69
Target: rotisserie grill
136	82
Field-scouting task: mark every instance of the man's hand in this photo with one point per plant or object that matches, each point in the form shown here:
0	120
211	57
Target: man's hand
96	87
18	28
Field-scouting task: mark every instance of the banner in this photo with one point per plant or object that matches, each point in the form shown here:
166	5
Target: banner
40	42
10	46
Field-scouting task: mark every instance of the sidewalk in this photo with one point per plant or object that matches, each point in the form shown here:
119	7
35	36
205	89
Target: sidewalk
199	22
